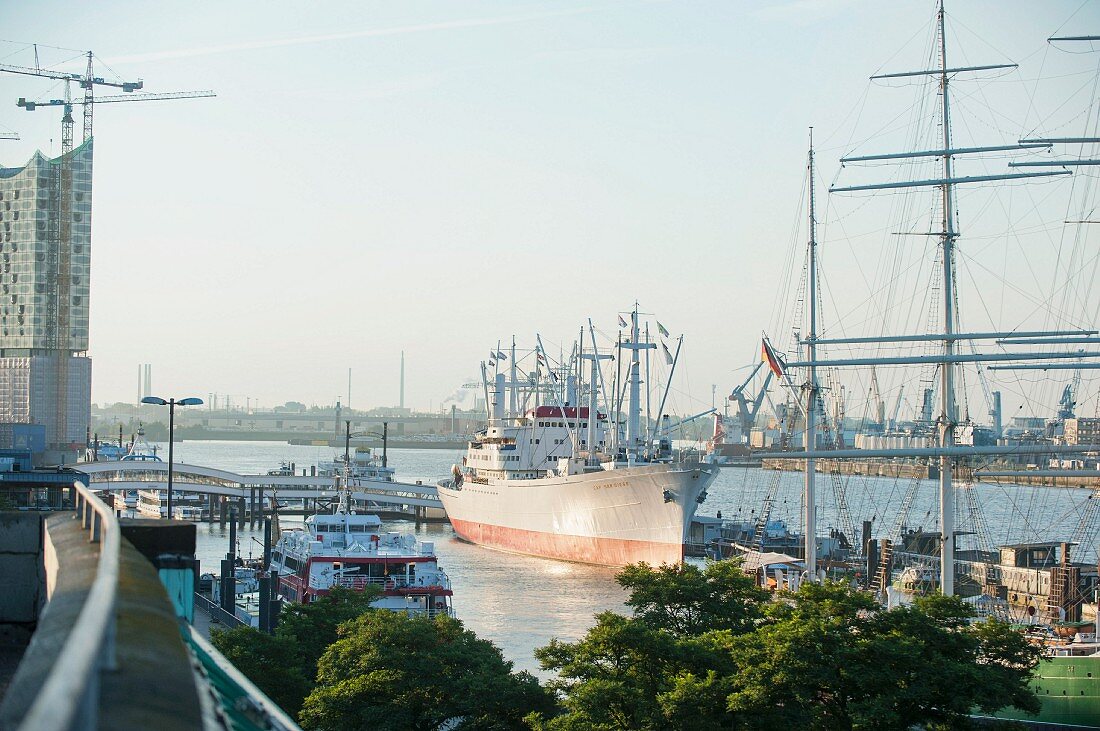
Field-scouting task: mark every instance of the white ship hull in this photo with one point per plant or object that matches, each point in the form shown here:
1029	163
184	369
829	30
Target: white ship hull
607	517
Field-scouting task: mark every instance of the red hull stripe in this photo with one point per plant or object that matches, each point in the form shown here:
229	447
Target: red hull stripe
582	549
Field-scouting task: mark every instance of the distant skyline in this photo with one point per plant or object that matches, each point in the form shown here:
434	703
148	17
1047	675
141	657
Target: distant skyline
434	177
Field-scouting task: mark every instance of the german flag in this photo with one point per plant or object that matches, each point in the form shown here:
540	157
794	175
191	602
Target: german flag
769	356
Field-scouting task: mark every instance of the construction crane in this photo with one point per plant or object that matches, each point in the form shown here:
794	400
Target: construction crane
89	102
88	81
59	234
143	97
9	135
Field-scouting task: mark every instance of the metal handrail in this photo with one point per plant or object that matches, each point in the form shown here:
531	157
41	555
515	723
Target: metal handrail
69	698
441	582
216	613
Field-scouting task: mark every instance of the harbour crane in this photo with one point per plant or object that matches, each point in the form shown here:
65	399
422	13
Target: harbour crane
747	410
1068	402
893	425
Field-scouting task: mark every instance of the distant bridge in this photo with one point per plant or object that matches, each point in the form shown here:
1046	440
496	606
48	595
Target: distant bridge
139	475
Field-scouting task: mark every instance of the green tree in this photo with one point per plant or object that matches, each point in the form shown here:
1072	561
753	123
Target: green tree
829	658
668	665
689	601
270	662
705	650
392	671
284	665
799	668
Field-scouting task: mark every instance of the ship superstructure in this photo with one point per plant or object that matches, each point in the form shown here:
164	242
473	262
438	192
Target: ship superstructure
351	550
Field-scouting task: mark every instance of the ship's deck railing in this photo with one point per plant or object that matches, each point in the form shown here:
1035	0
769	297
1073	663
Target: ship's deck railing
439	582
69	698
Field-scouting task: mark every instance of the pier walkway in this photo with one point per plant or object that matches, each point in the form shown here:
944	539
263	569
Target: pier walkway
124	476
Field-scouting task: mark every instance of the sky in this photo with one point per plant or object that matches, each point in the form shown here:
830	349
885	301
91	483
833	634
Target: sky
434	177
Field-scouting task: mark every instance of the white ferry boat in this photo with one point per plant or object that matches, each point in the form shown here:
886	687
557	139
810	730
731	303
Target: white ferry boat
560	481
153	503
362	465
350	550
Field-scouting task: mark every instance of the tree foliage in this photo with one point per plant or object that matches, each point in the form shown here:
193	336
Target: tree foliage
392	671
688	601
706	649
338	664
284	665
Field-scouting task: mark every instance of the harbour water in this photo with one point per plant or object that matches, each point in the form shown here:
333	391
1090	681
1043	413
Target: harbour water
521	602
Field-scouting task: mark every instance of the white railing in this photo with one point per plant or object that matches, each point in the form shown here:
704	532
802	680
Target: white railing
69	697
440	581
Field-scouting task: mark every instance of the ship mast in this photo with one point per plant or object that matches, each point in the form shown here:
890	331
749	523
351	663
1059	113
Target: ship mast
945	448
810	498
633	419
947	384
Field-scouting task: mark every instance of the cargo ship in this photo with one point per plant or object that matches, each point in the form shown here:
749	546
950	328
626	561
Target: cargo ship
563	481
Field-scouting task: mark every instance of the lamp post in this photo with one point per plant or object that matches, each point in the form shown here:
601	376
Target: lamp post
385	435
171	404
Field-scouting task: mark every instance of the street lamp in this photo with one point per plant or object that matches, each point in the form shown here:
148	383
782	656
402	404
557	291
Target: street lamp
171	404
385	435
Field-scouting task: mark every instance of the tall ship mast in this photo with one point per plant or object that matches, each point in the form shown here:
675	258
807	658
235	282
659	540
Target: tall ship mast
945	450
565	470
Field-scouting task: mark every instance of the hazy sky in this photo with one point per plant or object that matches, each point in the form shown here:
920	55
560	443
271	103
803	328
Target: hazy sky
434	176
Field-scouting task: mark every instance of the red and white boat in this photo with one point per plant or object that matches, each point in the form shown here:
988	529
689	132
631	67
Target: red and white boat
350	549
558	480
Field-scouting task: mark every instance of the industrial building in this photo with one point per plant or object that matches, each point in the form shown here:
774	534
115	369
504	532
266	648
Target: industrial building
45	237
1081	430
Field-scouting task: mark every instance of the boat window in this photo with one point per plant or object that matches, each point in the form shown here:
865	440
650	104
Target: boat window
358	529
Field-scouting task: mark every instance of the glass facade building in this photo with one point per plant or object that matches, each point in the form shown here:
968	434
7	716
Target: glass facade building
45	259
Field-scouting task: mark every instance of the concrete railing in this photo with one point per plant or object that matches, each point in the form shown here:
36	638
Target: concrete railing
69	697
